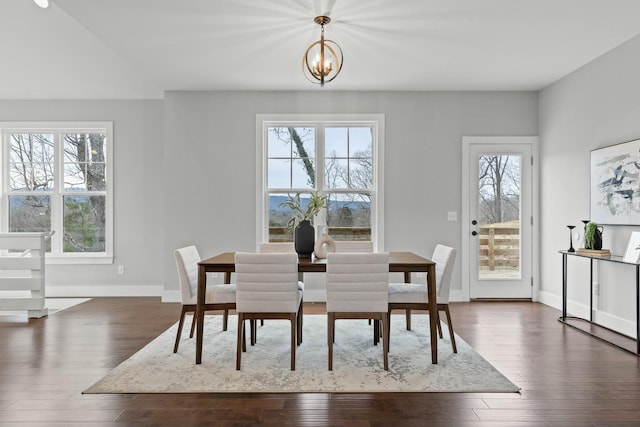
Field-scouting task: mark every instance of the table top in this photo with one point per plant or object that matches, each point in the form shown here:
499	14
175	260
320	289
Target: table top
613	258
398	262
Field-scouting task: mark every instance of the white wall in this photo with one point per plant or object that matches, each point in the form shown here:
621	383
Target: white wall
596	106
138	218
210	161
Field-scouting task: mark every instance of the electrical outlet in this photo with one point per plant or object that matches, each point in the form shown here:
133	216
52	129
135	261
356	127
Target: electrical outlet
596	288
121	269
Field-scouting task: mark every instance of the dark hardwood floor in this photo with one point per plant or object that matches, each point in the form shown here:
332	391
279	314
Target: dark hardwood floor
567	378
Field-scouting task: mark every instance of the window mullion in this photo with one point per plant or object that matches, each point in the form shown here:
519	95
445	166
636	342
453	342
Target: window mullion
320	160
56	198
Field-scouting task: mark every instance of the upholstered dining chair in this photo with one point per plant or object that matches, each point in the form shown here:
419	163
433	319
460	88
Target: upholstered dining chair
357	288
271	247
218	297
267	288
413	296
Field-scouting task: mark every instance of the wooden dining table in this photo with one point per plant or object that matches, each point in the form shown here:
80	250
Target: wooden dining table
399	262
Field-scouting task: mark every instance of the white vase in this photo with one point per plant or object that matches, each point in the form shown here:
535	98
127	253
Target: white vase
323	245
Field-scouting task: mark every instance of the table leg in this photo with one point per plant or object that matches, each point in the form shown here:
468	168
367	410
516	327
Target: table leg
591	290
637	309
564	287
433	312
202	285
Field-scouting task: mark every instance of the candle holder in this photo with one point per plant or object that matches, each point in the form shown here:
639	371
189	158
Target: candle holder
571	227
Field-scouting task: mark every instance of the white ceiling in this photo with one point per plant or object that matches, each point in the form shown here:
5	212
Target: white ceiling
128	49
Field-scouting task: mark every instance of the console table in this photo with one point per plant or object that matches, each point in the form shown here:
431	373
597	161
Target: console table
565	318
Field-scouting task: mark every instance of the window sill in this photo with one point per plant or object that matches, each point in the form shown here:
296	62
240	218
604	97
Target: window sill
84	259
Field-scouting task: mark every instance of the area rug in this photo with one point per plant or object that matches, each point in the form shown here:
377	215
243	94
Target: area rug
357	364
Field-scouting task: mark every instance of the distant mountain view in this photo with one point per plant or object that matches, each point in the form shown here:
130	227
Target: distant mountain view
274	204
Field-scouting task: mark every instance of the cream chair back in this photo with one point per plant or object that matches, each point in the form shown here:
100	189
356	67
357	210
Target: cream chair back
267	282
187	260
357	282
444	257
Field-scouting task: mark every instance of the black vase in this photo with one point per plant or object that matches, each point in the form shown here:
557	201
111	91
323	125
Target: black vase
304	239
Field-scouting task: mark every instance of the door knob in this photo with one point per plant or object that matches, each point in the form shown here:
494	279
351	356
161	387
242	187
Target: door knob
474	222
474	233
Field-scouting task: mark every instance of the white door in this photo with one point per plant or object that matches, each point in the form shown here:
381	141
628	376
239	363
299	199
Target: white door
500	217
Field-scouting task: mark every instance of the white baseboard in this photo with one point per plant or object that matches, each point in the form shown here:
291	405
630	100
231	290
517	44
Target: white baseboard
602	318
103	291
171	296
458	295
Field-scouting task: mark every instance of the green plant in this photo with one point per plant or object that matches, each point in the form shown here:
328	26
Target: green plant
300	213
590	235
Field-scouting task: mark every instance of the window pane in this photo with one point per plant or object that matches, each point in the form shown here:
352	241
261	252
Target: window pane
31	147
336	173
349	216
360	174
85	147
360	142
84	156
303	173
335	142
31	162
291	162
278	218
291	142
84	176
29	213
279	173
500	216
279	142
84	223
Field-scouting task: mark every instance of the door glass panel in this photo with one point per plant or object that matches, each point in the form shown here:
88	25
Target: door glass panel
499	216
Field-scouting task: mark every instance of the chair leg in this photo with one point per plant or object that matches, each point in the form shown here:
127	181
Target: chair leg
225	319
193	325
330	334
388	330
451	334
244	337
385	341
253	331
376	331
184	311
240	340
299	318
439	325
294	326
408	315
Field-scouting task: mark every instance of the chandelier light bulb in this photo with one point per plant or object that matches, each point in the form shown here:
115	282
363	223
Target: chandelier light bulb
42	3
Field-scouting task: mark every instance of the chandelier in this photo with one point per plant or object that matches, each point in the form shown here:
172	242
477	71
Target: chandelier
322	61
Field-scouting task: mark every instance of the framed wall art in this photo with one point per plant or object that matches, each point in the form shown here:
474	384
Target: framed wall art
615	184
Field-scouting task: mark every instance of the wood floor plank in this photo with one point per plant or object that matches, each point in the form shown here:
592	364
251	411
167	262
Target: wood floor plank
567	378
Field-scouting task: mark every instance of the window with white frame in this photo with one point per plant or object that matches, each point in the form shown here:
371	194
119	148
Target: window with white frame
338	156
57	177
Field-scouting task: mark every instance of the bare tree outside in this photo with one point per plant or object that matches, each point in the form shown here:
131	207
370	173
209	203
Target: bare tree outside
499	188
32	166
499	215
344	174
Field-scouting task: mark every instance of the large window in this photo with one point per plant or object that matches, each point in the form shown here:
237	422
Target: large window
338	156
57	177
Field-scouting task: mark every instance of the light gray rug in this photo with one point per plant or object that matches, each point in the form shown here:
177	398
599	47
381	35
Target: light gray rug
357	364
